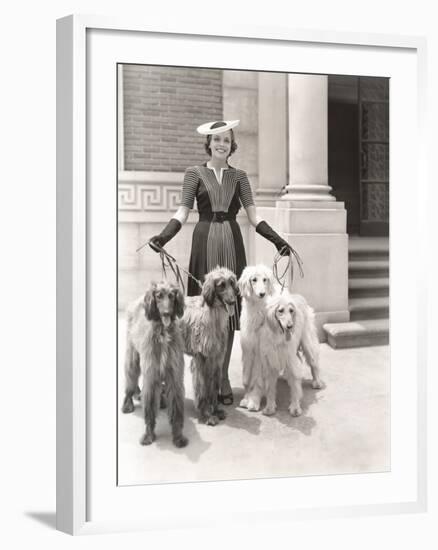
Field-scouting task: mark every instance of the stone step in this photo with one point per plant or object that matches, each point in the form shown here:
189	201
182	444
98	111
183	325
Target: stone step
370	248
369	308
368	291
368	268
368	287
371	255
374	332
367	244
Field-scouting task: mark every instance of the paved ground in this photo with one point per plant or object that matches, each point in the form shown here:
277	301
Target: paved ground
344	428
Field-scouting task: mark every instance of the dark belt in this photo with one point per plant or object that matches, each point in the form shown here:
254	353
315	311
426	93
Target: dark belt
218	217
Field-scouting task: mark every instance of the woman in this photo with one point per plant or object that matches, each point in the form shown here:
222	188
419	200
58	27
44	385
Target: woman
220	191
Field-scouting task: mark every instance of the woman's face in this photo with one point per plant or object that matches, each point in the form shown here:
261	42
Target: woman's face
220	145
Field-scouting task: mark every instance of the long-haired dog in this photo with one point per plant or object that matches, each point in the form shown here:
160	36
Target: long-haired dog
205	333
257	288
289	328
255	284
154	348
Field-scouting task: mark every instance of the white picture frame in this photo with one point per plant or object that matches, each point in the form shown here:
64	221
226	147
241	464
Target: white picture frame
78	39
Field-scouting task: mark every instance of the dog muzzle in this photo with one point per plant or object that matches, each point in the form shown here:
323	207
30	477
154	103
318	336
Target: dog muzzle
166	320
287	332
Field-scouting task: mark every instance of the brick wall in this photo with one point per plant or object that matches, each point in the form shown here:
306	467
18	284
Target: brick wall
162	108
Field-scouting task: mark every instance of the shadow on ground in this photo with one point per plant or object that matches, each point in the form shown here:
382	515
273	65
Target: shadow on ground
304	423
196	447
236	418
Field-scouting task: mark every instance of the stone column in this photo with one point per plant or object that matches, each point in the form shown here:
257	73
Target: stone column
308	216
273	128
273	156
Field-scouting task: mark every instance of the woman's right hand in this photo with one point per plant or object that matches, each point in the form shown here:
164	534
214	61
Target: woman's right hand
156	243
168	233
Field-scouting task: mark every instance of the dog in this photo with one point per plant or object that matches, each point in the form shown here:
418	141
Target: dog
154	348
289	328
205	335
257	287
255	284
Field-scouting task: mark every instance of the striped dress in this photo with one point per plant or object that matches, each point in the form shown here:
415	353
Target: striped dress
216	243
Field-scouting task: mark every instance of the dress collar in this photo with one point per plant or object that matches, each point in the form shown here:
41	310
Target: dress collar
229	167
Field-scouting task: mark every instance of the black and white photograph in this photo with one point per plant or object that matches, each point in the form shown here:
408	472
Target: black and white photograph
221	219
253	274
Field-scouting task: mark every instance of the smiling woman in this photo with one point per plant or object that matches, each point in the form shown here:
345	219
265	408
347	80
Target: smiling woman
220	191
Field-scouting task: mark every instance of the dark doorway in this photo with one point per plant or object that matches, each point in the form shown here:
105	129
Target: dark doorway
343	146
358	151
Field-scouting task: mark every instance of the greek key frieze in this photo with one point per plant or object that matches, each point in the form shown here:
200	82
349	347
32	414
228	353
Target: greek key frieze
148	197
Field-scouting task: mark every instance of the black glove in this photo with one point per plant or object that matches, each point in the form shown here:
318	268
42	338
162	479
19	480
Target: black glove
168	233
267	232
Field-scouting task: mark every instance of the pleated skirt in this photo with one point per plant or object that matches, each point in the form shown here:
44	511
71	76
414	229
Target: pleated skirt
216	244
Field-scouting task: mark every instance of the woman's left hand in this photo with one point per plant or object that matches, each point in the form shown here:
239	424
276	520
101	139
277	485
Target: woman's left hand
268	233
284	249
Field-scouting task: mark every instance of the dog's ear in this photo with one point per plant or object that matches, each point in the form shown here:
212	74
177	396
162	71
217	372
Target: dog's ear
150	304
233	282
271	318
270	278
244	283
179	301
297	317
209	291
294	316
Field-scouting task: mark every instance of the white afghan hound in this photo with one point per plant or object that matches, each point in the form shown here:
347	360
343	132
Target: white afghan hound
256	284
154	348
205	327
258	289
289	328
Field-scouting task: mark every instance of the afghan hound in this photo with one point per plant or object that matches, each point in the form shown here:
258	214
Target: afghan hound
154	348
257	288
205	334
289	327
256	284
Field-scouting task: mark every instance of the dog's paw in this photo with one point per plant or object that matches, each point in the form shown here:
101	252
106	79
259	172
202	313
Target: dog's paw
253	406
220	413
295	410
269	410
128	405
147	439
244	403
180	441
317	384
212	420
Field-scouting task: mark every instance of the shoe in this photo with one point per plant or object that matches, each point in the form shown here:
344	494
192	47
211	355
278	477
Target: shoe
227	399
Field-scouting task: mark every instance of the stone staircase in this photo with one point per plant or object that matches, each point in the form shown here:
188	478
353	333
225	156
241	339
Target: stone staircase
368	296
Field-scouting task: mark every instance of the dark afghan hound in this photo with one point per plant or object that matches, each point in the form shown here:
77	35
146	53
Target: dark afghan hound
205	333
154	348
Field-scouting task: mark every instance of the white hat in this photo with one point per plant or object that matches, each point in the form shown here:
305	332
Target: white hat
216	127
